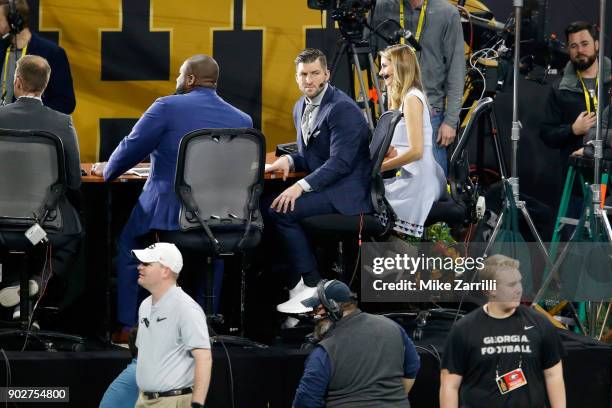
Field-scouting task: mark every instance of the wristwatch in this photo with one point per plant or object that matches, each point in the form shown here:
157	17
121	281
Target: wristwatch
197	405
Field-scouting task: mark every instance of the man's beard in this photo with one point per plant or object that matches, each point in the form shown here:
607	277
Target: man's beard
321	328
583	64
180	90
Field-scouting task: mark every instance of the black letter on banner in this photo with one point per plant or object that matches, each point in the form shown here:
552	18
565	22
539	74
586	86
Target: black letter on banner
239	54
135	53
34	13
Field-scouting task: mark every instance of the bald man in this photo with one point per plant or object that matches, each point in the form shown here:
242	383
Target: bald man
158	133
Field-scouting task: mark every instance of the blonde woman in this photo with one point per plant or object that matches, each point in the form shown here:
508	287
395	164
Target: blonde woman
419	180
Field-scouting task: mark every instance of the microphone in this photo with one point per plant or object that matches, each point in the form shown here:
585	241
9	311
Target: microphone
145	321
407	35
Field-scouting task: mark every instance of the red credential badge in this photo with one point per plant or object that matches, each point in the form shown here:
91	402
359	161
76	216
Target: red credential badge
511	381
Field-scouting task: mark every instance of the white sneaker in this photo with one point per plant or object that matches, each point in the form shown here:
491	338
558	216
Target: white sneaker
297	288
9	296
294	305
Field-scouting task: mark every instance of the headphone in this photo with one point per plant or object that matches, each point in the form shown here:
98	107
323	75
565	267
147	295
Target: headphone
14	18
333	309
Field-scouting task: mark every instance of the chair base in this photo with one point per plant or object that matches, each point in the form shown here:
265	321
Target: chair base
21	339
337	226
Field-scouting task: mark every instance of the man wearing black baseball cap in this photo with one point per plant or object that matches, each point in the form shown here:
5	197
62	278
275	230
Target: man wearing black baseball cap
374	361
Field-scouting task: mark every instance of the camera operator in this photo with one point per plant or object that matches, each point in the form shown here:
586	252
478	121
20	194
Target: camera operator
436	25
503	354
374	362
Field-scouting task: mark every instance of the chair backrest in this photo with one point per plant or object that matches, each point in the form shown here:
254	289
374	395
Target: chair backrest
484	106
32	179
462	189
379	145
222	171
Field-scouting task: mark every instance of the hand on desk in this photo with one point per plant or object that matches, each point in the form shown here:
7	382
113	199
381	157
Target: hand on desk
98	168
280	164
287	198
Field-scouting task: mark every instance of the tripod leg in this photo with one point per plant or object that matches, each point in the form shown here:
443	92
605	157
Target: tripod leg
551	274
362	88
606	222
497	146
376	83
605	321
577	319
495	232
535	233
339	52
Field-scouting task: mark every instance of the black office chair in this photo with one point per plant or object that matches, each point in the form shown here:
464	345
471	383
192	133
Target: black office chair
219	179
340	228
32	183
459	207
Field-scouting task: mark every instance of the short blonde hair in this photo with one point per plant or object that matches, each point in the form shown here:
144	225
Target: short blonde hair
406	73
34	72
496	264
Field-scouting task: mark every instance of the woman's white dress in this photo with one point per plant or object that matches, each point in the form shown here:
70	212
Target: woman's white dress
418	184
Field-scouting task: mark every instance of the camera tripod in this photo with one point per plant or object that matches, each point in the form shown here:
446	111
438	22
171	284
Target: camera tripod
352	49
515	138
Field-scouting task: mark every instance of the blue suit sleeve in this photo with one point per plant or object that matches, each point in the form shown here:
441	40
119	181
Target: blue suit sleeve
346	126
313	385
412	361
141	141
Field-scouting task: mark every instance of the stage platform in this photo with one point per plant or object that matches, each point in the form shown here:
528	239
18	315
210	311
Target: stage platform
268	377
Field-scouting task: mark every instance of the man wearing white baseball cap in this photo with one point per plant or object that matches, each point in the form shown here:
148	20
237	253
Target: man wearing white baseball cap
174	358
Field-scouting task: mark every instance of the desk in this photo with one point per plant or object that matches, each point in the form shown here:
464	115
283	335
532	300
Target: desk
270	158
109	225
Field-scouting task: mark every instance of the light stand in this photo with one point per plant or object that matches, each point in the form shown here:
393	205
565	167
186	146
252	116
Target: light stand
600	215
515	137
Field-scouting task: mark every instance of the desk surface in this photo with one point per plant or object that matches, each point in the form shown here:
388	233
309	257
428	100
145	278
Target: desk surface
90	178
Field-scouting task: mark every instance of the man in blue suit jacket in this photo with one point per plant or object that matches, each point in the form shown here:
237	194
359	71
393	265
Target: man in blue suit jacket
332	137
158	133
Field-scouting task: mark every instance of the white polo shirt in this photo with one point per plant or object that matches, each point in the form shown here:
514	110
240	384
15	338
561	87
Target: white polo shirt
167	331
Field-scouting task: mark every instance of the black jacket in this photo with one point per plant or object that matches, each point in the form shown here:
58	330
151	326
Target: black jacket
565	102
59	94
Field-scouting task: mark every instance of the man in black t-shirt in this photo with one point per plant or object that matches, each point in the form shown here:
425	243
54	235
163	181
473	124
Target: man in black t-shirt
503	354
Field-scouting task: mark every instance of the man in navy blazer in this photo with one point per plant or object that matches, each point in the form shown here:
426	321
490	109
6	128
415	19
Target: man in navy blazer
158	133
59	94
332	137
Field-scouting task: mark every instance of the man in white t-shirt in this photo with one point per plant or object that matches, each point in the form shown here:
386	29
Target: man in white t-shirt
174	358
